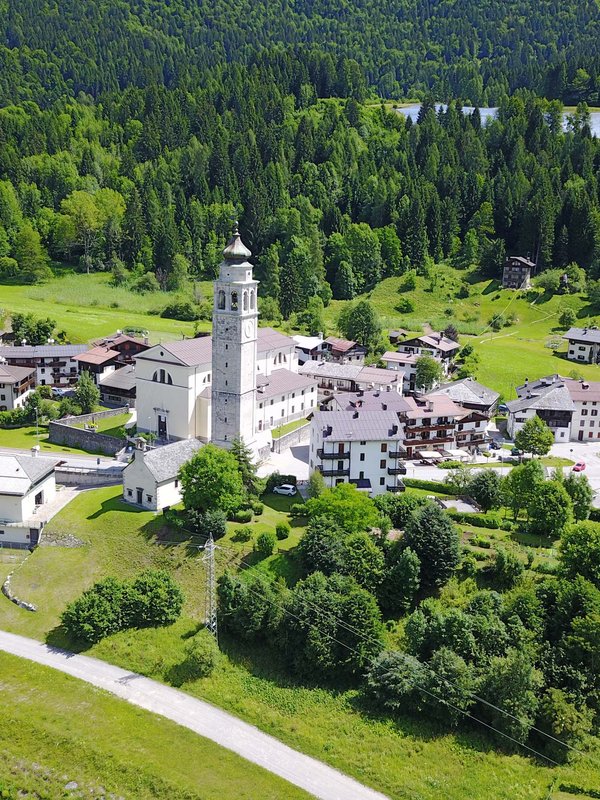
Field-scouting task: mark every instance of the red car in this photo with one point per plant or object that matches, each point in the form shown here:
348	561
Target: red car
579	466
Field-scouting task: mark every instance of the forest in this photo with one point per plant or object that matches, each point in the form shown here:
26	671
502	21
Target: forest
332	195
478	51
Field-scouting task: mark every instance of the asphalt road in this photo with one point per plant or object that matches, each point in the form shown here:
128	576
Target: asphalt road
226	730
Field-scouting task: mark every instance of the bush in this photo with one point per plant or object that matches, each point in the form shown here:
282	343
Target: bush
242	534
297	510
265	544
405	305
242	515
506	570
479	541
257	507
201	655
153	599
181	309
433	486
276	479
45	392
282	530
213	521
492	521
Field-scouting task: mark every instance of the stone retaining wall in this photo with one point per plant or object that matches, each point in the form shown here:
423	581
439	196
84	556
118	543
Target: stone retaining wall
75	476
64	432
297	436
7	592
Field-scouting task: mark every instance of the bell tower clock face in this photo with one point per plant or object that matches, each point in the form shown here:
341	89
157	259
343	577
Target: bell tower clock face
249	329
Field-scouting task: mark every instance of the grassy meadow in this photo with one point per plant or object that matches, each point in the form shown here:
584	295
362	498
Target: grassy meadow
401	757
57	730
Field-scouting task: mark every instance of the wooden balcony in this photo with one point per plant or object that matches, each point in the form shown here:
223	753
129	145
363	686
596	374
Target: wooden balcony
335	473
399	470
332	456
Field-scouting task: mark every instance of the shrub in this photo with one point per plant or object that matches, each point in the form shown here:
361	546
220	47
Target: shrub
265	544
405	305
297	509
201	656
276	479
45	392
154	599
492	521
282	530
506	570
257	507
433	486
242	534
242	515
213	521
181	309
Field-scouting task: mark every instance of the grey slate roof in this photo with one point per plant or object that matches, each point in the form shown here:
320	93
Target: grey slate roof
468	390
370	401
548	394
587	335
165	462
9	374
123	378
42	351
19	473
281	381
352	426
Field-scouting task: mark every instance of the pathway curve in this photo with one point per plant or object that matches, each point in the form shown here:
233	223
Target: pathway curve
226	730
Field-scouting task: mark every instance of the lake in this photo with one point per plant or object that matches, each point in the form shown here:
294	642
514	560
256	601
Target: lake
488	113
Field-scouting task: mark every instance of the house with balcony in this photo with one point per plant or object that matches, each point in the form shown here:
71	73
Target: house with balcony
128	347
332	377
432	344
584	345
309	348
360	447
54	364
470	394
547	398
517	273
344	351
99	361
16	384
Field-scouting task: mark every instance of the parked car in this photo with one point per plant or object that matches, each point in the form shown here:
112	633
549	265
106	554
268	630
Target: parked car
503	408
285	488
58	392
579	466
516	452
494	445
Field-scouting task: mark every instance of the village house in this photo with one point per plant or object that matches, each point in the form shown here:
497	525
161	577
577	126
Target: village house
26	484
344	351
333	377
16	384
584	345
433	344
151	479
309	348
569	407
517	272
406	363
117	387
468	393
98	361
128	347
54	364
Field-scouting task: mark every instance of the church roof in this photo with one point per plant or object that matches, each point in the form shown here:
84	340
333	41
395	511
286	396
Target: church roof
236	250
165	462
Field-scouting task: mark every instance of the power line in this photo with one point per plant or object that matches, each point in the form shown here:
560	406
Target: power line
372	640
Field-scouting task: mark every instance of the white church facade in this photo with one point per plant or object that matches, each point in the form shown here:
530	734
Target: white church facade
241	381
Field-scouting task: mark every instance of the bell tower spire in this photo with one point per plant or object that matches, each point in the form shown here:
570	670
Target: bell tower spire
235	327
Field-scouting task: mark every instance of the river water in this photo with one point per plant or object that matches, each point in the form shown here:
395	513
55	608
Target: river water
489	113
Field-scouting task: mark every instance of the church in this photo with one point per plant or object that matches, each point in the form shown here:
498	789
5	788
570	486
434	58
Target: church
242	381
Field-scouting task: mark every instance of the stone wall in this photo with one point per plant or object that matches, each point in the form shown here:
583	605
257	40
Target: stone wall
63	432
76	476
297	436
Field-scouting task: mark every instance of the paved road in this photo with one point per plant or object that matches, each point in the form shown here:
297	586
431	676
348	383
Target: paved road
226	730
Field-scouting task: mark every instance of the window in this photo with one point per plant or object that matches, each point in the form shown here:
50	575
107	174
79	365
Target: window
382	481
592	424
293	408
584	412
384	447
581	424
129	492
361	476
234	301
176	483
149	498
252	299
590	434
362	456
382	464
260	405
271	402
282	412
221	300
245	303
363	443
594	412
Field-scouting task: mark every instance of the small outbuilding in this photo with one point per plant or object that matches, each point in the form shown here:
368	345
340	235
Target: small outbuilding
26	484
151	479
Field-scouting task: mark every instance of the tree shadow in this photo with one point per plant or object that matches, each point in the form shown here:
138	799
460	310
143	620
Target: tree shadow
116	504
58	639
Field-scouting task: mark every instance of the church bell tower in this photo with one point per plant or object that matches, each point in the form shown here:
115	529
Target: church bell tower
235	326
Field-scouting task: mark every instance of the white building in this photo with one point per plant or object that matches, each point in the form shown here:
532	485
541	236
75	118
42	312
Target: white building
151	479
584	345
309	348
333	377
242	381
55	364
405	363
360	447
569	407
26	484
16	384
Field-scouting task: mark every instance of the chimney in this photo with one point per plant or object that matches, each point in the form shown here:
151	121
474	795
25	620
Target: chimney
394	430
35	450
384	406
140	446
585	386
355	415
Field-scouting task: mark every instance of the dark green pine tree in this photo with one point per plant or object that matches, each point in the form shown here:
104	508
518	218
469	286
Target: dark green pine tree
416	239
134	228
343	285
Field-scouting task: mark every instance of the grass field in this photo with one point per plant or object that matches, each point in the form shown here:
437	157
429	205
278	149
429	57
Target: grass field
110	426
57	730
26	437
507	356
401	757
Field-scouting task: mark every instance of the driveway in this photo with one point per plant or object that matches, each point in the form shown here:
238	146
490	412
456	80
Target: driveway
204	719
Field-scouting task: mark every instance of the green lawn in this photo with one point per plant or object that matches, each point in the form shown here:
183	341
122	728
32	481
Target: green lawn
25	438
288	428
403	758
56	729
507	356
111	426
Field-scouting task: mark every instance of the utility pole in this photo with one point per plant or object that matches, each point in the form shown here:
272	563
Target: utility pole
211	587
